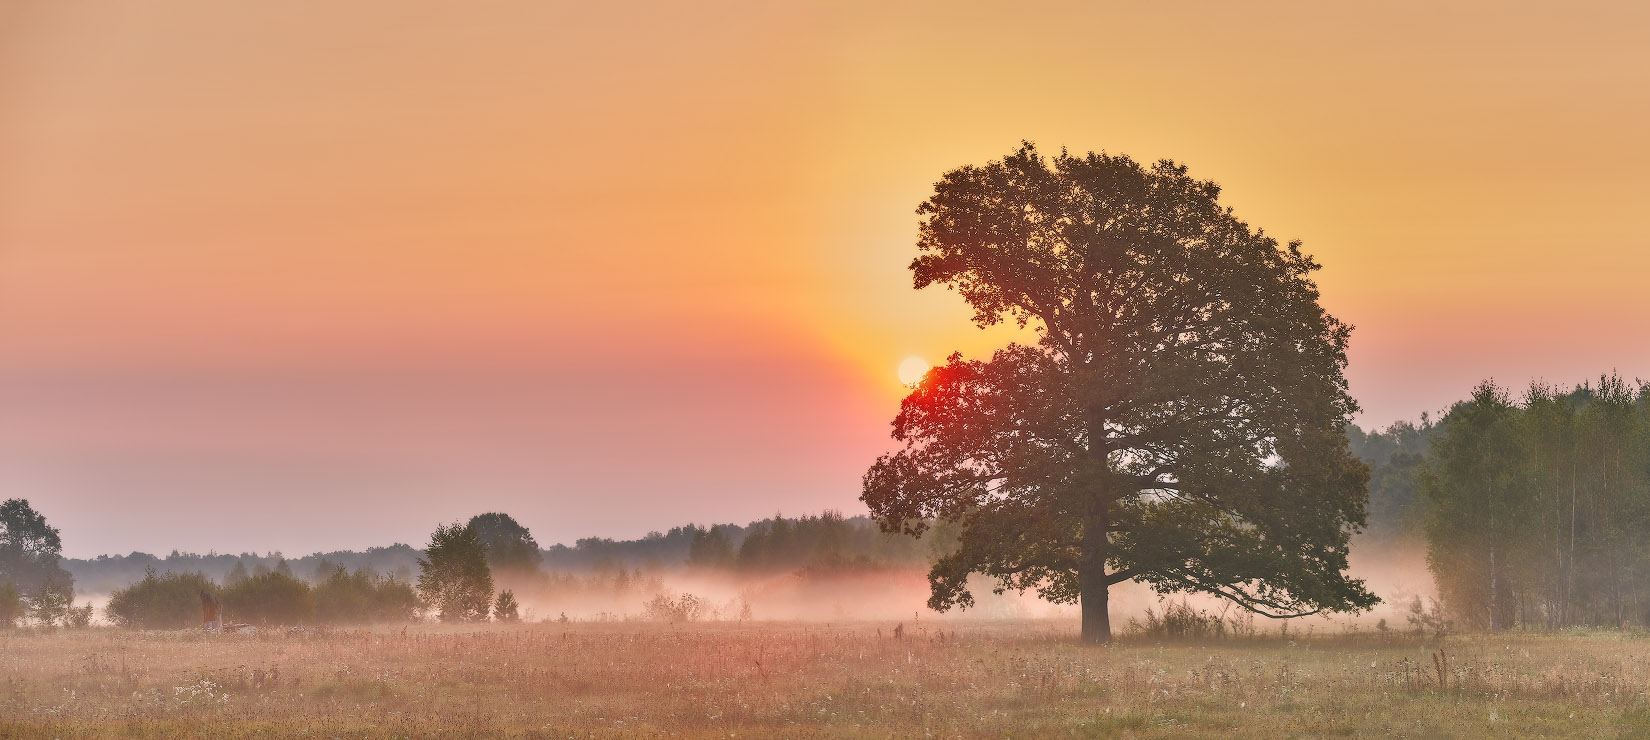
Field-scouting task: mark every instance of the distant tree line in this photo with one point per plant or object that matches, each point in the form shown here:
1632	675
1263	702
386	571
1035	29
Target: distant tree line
455	585
1535	509
105	573
274	597
1395	457
774	543
458	571
827	540
782	543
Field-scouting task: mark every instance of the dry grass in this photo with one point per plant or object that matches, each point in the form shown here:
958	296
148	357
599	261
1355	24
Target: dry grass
1025	679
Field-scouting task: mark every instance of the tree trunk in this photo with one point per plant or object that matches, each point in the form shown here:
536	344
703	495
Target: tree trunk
1570	568
1495	605
1091	579
1092	585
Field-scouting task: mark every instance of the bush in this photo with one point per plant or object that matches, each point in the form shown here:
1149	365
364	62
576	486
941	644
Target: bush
269	598
342	598
78	617
686	608
1179	621
362	597
170	601
397	601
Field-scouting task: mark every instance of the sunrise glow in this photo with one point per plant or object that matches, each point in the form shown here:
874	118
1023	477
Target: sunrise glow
912	370
518	244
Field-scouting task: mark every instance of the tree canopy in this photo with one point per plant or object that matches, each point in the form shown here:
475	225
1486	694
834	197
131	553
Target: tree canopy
1179	420
29	547
509	544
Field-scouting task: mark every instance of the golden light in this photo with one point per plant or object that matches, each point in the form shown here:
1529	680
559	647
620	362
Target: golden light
912	369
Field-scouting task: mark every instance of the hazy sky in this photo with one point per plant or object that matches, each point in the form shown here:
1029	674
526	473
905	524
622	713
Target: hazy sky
318	275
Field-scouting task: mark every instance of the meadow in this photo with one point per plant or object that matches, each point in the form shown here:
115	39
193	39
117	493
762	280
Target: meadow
1028	678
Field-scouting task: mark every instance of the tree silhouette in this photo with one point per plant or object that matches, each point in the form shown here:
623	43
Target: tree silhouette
1178	422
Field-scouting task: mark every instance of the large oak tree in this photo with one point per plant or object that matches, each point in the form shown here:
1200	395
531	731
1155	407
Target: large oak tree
1178	422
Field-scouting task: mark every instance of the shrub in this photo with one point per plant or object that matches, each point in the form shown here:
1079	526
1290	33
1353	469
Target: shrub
396	600
342	598
1179	621
686	608
269	598
363	596
170	601
78	617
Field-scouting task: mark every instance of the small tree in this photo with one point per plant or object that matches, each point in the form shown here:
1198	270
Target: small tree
53	602
505	609
78	617
453	578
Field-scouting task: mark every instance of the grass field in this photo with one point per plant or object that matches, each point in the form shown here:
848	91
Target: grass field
797	680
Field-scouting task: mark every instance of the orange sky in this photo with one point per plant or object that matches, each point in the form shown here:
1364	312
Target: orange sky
320	275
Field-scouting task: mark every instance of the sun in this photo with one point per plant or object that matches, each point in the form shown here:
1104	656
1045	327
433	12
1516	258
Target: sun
912	369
